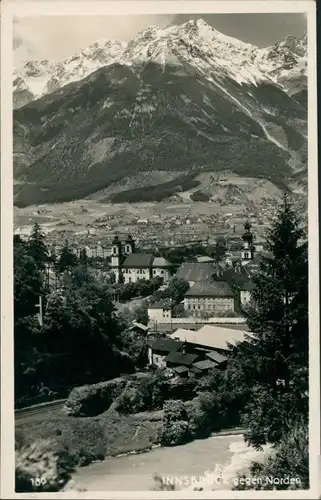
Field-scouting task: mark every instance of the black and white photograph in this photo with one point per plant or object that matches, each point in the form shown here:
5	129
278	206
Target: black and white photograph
159	252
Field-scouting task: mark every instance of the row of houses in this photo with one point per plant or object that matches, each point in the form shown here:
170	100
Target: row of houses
194	353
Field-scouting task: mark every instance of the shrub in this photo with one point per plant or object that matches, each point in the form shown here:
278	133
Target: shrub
40	461
200	424
91	400
131	400
175	433
175	425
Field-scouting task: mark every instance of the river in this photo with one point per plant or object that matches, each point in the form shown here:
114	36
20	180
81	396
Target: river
222	456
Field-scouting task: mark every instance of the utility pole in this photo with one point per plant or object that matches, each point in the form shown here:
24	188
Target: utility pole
40	316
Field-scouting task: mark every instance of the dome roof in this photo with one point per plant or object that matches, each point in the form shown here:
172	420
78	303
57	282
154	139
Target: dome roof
116	240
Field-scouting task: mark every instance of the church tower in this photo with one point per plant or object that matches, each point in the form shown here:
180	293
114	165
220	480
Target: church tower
116	257
129	245
248	247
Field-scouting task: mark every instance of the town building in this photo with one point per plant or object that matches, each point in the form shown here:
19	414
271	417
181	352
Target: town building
159	312
194	353
193	272
139	328
210	296
210	337
217	288
129	265
160	348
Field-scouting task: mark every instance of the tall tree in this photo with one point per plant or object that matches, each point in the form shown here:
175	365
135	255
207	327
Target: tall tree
66	260
28	282
275	359
37	248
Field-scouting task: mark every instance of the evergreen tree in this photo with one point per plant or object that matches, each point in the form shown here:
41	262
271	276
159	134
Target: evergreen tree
37	248
275	359
28	281
83	258
66	260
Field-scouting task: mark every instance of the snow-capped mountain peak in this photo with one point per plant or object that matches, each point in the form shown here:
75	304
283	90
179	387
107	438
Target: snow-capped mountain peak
37	78
193	43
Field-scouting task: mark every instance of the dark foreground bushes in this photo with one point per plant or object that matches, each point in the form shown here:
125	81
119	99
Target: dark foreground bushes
150	393
41	467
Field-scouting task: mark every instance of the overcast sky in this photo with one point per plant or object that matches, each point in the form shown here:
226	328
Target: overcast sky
57	37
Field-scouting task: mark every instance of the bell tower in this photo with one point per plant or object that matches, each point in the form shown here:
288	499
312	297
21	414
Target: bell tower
129	245
248	247
116	255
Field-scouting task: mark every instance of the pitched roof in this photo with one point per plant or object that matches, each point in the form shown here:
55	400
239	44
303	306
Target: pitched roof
211	288
195	271
216	356
138	260
181	358
204	258
211	336
139	325
160	305
236	277
167	345
180	369
205	364
161	262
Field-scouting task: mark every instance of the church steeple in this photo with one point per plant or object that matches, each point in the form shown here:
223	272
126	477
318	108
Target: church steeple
129	245
248	247
116	255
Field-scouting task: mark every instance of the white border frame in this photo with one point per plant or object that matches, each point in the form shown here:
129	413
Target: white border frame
9	8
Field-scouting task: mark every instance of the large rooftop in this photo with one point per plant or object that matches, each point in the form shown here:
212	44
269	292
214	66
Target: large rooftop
138	260
210	288
195	271
214	337
161	262
166	345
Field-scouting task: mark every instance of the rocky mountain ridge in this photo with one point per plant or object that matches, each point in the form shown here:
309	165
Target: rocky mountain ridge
187	99
285	62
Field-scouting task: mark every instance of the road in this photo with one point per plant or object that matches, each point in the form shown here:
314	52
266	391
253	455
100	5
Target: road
41	411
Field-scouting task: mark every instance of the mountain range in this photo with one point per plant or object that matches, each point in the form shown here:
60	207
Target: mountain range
170	105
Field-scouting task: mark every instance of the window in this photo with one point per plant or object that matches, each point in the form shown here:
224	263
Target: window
246	255
127	248
162	271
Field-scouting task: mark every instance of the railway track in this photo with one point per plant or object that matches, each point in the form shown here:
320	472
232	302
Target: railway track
41	409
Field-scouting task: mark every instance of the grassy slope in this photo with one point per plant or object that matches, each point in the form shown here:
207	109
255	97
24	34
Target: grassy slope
95	438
